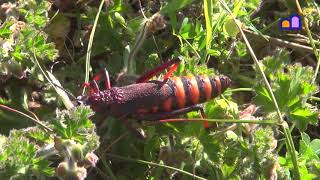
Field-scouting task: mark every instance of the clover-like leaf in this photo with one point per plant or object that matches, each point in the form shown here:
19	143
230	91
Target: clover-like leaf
292	88
303	116
18	157
75	124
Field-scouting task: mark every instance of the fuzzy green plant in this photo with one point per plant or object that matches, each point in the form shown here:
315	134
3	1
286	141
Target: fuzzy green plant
28	152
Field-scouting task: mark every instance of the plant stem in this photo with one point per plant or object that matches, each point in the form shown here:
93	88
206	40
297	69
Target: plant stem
240	89
305	24
137	45
26	115
256	61
282	123
214	120
314	98
281	42
289	143
154	164
108	169
88	55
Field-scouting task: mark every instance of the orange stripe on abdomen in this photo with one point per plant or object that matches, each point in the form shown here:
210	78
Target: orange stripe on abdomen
194	89
207	87
180	94
167	104
154	109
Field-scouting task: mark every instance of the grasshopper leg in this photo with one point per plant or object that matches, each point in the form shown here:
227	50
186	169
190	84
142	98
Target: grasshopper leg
172	64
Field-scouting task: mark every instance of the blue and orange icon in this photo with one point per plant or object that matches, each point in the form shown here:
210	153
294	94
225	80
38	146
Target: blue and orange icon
292	23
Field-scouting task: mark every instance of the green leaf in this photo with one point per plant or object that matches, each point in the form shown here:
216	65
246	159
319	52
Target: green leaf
222	108
5	31
17	53
151	147
241	49
173	6
305	138
292	88
304	148
120	19
237	8
76	125
186	29
211	147
315	145
213	52
17	154
303	117
230	27
275	64
36	14
59	27
42	166
39	135
263	98
208	11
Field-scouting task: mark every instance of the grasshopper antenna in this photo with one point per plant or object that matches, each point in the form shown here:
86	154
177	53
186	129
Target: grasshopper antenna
68	92
62	88
57	85
55	63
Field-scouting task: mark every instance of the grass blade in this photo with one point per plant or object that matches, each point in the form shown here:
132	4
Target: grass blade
88	55
156	165
207	8
312	43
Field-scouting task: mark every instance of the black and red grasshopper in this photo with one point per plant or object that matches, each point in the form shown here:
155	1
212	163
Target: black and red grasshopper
154	100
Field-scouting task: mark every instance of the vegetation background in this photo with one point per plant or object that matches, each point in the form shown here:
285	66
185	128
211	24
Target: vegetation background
267	121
